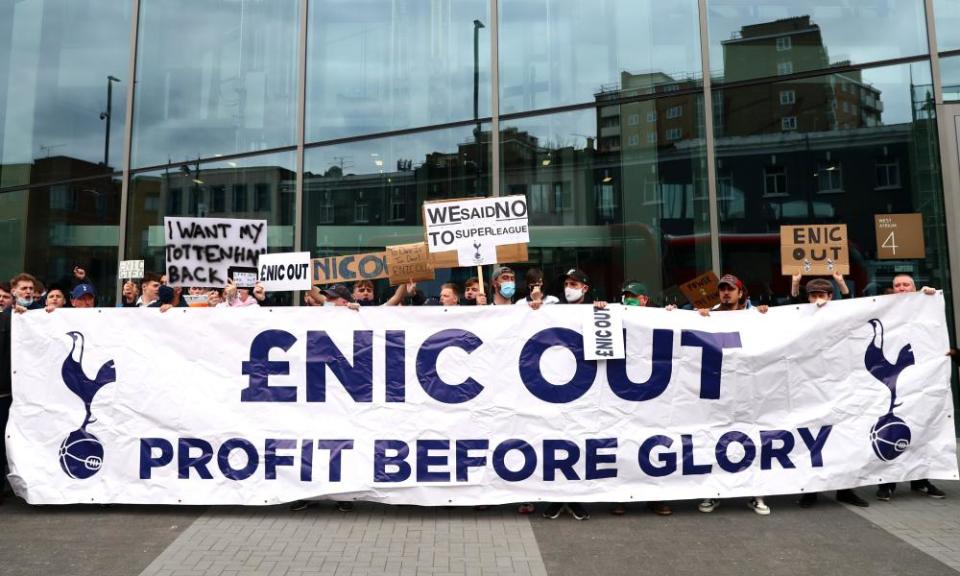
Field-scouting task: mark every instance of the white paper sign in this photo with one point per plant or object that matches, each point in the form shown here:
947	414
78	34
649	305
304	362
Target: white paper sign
130	269
200	250
474	228
476	405
285	272
603	333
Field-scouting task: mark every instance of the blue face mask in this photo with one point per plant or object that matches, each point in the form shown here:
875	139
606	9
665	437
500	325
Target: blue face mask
507	289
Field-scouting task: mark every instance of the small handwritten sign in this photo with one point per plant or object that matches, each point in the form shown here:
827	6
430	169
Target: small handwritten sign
409	263
703	291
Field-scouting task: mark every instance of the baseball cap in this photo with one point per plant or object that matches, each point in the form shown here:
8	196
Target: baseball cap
497	272
819	285
730	280
81	290
577	275
634	288
339	291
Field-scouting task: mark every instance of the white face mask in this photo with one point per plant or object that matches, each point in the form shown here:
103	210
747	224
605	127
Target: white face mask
573	294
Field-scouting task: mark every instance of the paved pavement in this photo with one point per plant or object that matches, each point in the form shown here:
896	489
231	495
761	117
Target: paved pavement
912	535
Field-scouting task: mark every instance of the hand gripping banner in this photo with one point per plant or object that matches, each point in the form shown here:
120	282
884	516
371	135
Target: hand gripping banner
479	405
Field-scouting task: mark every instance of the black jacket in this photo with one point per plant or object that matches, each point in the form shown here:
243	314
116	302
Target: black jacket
5	373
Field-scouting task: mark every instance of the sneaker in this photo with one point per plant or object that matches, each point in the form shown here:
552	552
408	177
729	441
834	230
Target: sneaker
553	511
927	488
618	510
526	508
299	505
345	506
661	509
850	497
884	493
578	511
708	505
759	506
808	500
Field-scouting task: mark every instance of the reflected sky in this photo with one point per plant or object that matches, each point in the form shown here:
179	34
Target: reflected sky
59	56
376	66
947	13
558	52
855	30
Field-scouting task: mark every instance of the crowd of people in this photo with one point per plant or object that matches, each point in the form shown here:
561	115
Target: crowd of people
25	293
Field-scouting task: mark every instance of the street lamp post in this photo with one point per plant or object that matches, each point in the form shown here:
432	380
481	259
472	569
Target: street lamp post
106	116
477	25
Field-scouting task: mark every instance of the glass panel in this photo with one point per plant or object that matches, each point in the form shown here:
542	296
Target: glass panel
557	52
48	230
378	65
950	77
363	196
63	88
947	16
863	143
757	38
619	191
258	187
214	78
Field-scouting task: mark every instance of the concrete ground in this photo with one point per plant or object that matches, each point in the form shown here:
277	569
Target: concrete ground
912	535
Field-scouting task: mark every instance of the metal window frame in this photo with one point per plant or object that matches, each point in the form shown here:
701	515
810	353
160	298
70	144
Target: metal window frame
127	141
708	137
948	130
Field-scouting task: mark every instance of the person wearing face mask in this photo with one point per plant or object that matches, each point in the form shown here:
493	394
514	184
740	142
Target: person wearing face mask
23	288
634	294
504	285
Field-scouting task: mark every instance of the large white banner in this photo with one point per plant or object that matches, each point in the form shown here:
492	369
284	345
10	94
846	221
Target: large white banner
475	405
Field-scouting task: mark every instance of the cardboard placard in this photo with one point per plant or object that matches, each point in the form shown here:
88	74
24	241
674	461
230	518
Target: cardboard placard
284	272
409	263
814	249
130	269
350	268
200	251
900	236
703	291
474	228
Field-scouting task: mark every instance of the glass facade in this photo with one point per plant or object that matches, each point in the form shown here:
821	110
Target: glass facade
817	111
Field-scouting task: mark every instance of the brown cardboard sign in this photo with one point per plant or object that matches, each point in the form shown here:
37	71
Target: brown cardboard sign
409	263
349	268
814	249
900	236
703	291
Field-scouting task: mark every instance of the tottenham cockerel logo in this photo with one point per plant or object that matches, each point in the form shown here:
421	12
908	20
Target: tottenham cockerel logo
81	453
890	436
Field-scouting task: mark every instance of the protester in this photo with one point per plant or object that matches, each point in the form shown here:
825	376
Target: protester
83	296
6	297
536	295
904	284
149	289
503	283
23	287
634	294
733	296
5	393
55	299
363	293
234	297
340	295
129	294
472	295
820	292
449	294
796	298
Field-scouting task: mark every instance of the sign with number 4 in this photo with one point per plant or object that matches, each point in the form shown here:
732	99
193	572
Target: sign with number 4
899	236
